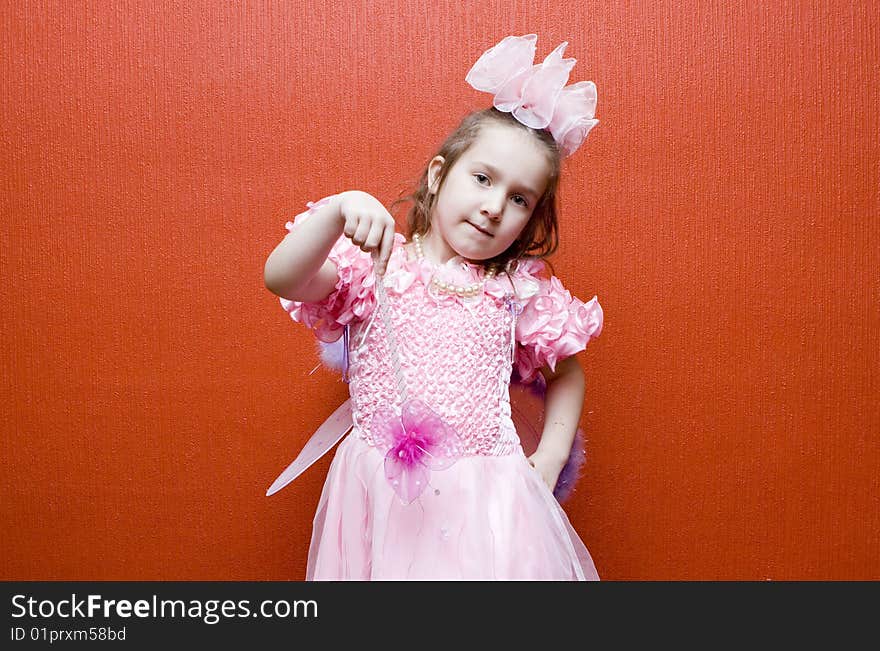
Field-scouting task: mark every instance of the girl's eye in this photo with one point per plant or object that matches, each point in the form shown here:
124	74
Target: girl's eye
521	200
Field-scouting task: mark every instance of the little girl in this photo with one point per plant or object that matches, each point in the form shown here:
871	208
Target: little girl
432	481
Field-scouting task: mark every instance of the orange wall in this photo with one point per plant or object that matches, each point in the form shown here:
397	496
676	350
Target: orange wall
725	211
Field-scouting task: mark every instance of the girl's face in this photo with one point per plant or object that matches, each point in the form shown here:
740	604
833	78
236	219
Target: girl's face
488	196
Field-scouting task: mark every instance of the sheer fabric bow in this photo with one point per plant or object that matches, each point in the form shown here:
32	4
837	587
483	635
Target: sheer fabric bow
536	95
415	442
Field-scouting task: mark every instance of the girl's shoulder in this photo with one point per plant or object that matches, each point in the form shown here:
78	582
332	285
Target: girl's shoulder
552	324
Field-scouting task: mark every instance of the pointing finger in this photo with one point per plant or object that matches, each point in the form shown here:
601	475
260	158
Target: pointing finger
386	247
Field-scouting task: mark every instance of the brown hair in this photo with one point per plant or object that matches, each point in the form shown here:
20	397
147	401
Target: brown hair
540	237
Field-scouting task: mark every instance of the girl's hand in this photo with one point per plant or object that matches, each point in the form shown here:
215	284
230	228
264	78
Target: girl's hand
547	466
368	224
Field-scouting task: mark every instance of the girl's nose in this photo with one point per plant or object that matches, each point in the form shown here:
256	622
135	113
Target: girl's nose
493	205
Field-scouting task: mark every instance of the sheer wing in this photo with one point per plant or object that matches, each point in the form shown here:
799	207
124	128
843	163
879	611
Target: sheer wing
325	437
527	413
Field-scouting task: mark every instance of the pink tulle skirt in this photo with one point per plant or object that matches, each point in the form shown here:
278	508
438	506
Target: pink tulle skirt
483	518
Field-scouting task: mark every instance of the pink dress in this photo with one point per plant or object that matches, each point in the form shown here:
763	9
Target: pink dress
489	515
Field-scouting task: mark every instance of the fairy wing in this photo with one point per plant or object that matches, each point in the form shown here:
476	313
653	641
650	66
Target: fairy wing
327	435
527	412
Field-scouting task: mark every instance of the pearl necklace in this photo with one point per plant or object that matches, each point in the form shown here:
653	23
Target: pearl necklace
449	288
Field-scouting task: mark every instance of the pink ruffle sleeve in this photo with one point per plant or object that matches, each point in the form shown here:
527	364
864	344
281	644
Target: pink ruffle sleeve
352	298
553	325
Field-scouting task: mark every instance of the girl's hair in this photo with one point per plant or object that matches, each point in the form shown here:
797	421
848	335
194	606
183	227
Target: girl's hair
540	237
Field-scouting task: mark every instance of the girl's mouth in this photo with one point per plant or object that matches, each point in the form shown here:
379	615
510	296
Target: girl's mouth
481	230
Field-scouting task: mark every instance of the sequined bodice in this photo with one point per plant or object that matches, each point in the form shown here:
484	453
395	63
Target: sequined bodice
456	357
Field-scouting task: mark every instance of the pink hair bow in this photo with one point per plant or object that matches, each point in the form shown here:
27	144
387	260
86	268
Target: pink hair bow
536	95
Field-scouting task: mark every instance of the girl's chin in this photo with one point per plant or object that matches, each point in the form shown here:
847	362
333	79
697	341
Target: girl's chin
474	244
471	253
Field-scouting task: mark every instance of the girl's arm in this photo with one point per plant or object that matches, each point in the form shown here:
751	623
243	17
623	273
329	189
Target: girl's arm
298	268
562	412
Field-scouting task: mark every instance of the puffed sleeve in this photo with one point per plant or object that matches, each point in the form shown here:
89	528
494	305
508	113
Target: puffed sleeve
552	326
350	300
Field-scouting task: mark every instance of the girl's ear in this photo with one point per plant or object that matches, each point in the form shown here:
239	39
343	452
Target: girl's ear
434	168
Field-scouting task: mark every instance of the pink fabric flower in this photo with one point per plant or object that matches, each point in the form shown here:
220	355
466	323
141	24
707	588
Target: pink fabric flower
522	288
405	272
414	443
525	282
